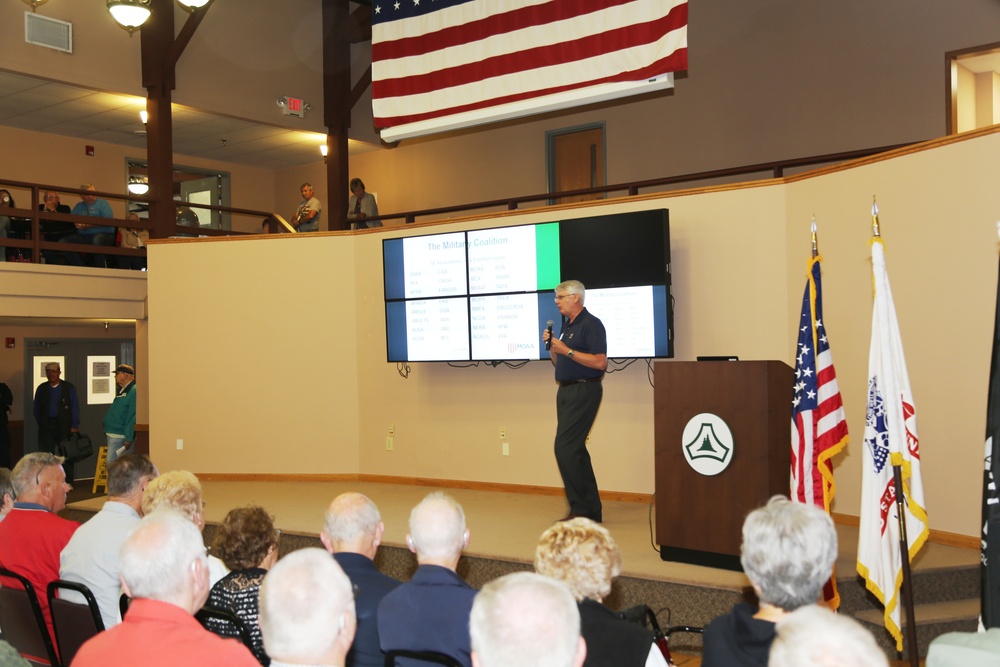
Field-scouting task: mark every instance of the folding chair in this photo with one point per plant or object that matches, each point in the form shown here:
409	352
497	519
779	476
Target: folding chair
224	617
22	622
73	622
431	657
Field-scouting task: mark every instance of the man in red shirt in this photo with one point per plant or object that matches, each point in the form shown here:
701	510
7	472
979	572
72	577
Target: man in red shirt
165	571
33	535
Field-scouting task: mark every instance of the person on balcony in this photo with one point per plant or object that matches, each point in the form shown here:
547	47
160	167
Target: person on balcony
90	205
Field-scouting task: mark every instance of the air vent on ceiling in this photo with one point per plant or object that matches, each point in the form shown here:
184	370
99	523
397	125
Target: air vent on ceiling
44	31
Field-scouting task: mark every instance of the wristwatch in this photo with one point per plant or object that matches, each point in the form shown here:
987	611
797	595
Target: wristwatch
571	353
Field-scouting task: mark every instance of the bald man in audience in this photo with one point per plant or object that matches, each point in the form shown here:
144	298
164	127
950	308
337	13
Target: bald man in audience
165	572
33	535
307	611
430	612
526	620
91	557
352	532
814	636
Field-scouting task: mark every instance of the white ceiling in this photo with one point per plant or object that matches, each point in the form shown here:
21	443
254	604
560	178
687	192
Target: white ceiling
44	106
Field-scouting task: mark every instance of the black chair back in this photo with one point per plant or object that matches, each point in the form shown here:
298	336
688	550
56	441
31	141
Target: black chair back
22	622
430	657
123	603
224	617
73	622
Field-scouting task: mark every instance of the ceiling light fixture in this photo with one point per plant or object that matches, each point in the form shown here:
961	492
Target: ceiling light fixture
34	3
193	5
138	185
130	14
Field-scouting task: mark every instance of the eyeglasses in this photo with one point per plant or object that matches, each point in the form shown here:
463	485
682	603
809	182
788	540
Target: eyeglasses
560	297
52	196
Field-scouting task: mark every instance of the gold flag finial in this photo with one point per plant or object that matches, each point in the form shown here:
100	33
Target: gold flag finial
875	230
815	246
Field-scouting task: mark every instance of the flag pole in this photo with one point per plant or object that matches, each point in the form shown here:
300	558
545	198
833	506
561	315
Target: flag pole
904	542
815	246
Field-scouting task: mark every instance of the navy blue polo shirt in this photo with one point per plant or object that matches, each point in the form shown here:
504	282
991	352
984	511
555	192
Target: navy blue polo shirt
584	334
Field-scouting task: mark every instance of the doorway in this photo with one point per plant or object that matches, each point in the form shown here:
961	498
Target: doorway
85	364
973	88
576	161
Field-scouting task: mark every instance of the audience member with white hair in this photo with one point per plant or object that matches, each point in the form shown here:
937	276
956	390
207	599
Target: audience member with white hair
788	553
307	611
165	572
583	555
352	532
430	612
181	490
526	620
814	636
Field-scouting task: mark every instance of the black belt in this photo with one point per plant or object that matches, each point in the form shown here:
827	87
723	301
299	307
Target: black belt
568	383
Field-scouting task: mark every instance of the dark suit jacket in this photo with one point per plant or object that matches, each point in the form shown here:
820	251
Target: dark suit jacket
370	586
430	612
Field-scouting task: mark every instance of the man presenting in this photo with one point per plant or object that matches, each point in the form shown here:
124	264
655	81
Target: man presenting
57	413
119	422
580	355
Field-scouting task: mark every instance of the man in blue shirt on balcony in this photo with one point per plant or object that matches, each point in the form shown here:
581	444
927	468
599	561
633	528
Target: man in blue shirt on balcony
90	205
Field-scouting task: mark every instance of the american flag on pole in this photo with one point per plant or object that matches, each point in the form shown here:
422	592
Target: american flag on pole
890	439
819	427
439	65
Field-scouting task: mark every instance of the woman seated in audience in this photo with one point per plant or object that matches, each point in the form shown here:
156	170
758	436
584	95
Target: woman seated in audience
248	544
181	490
583	555
788	553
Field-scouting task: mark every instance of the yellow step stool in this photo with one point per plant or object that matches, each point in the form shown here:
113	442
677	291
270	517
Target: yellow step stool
101	473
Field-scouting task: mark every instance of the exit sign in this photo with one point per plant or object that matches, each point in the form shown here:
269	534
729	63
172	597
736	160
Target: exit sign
295	107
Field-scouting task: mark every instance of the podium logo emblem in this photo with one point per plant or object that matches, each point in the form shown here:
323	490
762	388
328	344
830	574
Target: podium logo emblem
708	444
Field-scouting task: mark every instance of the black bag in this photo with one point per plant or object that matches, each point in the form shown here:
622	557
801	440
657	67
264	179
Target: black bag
76	447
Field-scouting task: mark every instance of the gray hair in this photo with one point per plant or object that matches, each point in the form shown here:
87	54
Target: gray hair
350	517
573	287
437	526
814	636
157	554
127	472
788	552
24	477
525	620
303	597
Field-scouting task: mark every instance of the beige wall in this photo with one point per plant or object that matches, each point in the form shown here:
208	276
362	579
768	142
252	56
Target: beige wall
298	383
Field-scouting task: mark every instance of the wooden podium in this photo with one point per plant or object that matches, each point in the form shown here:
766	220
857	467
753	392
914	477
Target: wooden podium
699	518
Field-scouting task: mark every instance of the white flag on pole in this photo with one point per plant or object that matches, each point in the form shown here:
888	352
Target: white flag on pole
890	439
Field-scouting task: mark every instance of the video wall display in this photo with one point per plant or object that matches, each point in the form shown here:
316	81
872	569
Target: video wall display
487	294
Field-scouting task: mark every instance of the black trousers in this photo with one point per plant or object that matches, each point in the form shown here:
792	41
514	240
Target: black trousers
49	437
576	410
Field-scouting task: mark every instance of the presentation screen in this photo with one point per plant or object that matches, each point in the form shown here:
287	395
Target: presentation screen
487	294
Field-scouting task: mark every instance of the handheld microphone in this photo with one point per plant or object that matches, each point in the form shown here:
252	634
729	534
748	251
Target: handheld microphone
548	327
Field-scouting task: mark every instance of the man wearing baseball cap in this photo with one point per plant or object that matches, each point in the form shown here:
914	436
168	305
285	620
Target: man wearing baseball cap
119	422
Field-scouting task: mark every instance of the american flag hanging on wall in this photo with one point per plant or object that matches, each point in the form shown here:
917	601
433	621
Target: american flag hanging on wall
819	426
442	64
